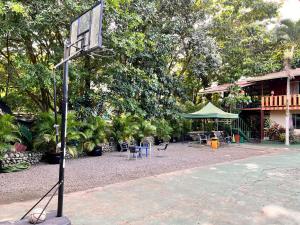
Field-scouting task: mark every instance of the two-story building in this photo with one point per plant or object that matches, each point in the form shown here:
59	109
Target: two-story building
268	100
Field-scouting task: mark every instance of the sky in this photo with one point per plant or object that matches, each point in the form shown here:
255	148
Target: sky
290	10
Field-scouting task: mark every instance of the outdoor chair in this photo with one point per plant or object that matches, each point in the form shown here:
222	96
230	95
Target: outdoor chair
220	136
146	145
124	147
163	146
135	151
203	137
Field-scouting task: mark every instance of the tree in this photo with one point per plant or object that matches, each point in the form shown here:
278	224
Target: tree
246	46
31	36
289	33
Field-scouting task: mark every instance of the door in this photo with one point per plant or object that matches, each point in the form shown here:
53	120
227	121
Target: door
295	87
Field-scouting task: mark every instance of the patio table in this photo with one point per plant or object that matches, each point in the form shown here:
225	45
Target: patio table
139	149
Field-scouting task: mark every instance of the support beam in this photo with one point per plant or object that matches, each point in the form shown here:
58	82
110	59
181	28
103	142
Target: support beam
262	125
287	112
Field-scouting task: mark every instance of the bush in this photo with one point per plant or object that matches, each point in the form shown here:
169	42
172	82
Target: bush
293	138
180	127
44	133
163	129
9	133
128	127
94	133
275	131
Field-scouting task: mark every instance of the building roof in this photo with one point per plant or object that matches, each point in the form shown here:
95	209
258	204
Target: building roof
276	75
251	80
224	87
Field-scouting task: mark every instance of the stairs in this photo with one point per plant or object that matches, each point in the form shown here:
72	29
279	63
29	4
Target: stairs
239	126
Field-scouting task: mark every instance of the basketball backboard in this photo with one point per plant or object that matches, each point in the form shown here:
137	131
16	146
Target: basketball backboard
86	30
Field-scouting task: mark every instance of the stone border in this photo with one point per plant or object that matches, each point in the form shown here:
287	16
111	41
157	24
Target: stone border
13	158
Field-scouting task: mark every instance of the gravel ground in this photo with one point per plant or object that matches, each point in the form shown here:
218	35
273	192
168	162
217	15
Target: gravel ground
85	173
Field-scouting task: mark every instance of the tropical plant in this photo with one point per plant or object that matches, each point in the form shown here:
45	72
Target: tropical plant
9	133
275	131
163	129
44	133
288	32
180	127
124	127
143	129
235	97
26	136
94	133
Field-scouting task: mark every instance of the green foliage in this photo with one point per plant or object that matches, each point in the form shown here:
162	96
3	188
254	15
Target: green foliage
94	133
180	127
15	168
288	34
44	133
143	129
246	46
26	136
275	131
123	127
163	129
236	96
164	53
9	133
128	127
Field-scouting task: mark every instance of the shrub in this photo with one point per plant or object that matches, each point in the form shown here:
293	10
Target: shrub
44	133
26	136
9	133
180	127
275	131
94	133
163	129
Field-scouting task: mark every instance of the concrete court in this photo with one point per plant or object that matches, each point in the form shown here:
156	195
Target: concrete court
230	193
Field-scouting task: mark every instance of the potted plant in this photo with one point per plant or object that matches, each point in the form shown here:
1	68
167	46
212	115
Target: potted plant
94	134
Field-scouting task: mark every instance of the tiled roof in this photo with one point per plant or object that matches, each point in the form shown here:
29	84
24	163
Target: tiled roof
224	87
250	80
276	75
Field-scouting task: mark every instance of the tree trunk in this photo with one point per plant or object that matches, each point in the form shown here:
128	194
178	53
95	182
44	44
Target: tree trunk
288	56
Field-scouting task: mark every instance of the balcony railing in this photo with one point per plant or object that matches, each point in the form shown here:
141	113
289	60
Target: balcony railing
273	102
279	101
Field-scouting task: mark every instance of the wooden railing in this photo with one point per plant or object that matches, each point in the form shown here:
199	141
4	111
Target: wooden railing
279	101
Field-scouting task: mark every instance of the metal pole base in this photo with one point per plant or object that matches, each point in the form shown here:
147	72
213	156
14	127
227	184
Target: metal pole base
51	219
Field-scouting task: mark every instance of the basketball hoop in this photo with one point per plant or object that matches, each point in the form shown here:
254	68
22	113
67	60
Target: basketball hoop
86	38
86	31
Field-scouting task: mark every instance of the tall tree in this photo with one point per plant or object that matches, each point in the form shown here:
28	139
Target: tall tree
288	32
245	44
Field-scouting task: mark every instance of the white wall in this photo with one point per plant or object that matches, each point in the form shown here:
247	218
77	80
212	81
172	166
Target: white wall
279	117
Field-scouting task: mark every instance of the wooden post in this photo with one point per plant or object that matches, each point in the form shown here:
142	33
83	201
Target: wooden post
287	116
262	125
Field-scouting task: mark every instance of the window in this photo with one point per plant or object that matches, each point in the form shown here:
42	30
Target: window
296	121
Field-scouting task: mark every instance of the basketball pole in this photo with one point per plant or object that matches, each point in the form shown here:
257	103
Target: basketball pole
63	132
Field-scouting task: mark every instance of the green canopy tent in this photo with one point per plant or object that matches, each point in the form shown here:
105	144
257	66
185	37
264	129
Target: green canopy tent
210	111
